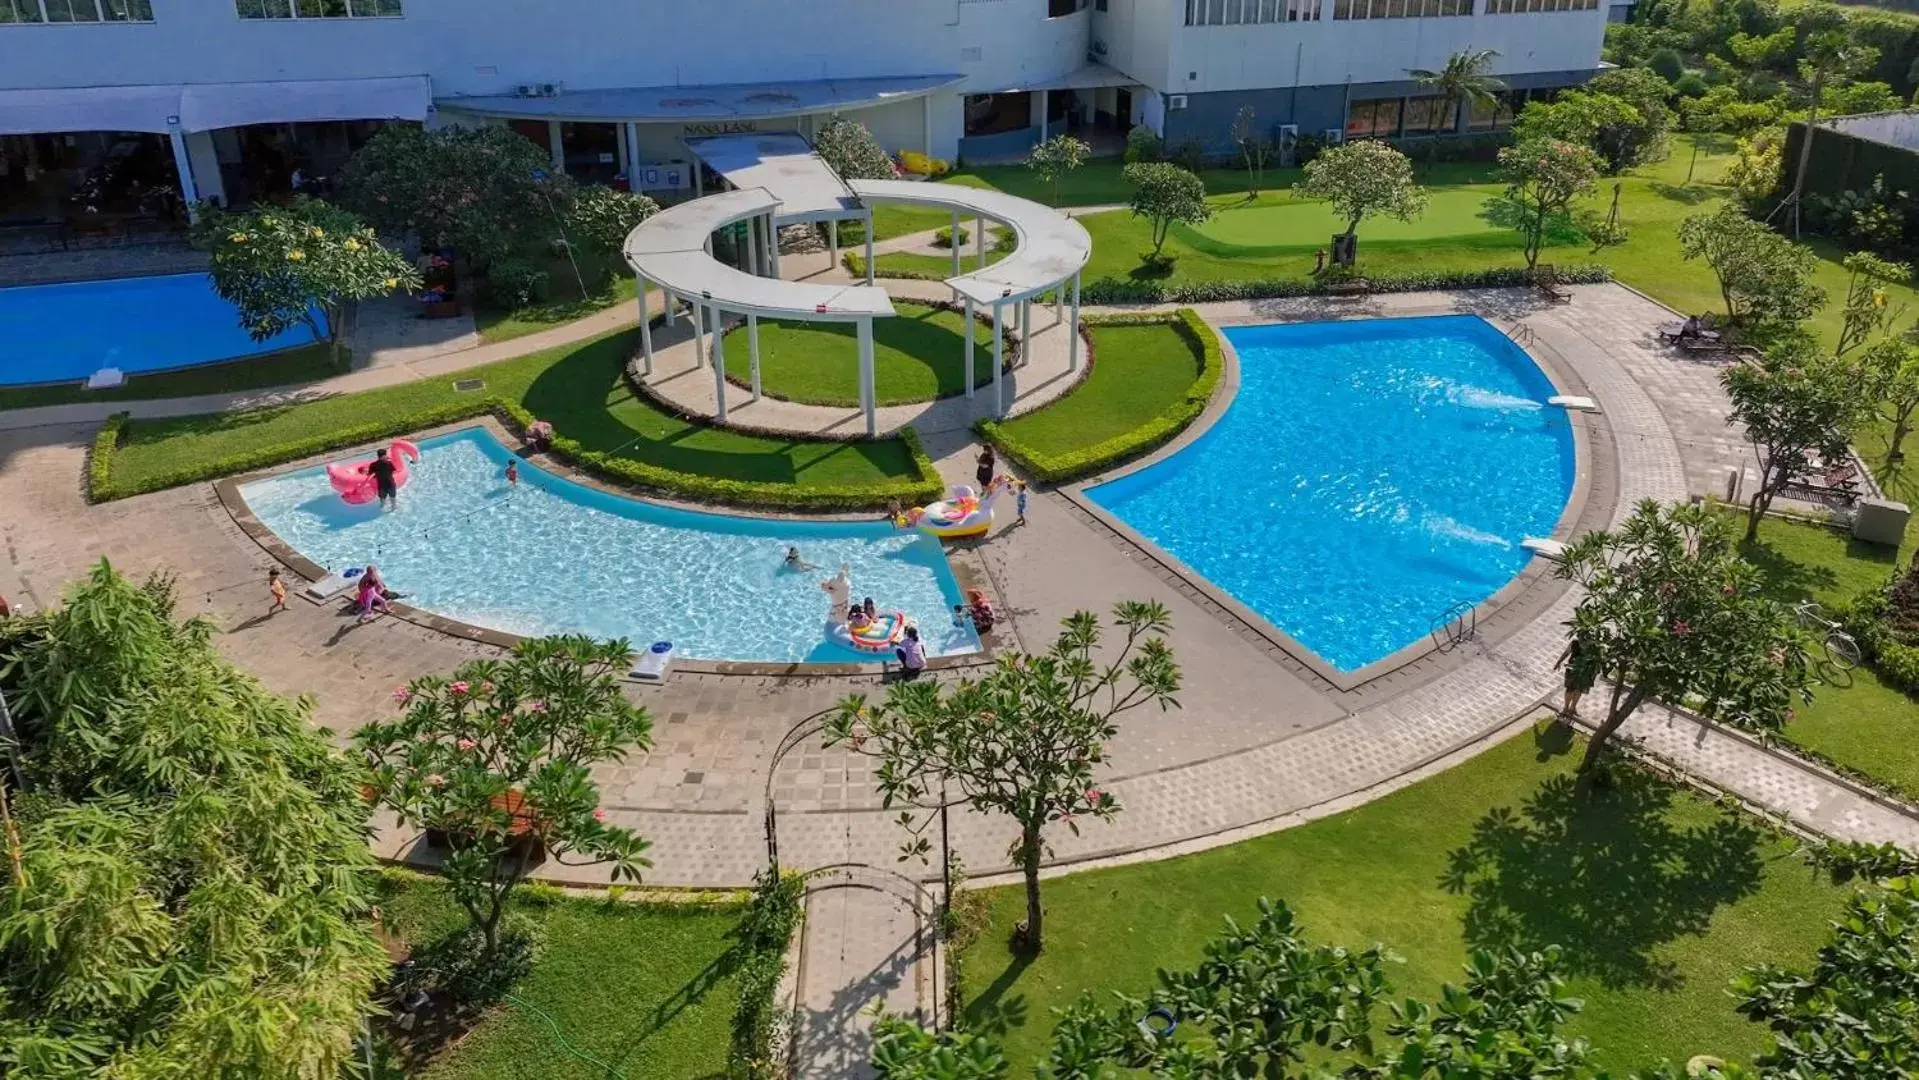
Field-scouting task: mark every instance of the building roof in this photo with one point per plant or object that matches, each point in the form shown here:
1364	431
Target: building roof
1089	77
206	106
1052	247
785	165
684	104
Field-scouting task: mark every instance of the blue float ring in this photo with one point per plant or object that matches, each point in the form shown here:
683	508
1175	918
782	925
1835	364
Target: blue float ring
1155	1031
661	646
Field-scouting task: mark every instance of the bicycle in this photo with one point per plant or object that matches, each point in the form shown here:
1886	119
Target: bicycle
1842	652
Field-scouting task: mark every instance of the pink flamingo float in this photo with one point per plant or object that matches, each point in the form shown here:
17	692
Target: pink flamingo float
353	483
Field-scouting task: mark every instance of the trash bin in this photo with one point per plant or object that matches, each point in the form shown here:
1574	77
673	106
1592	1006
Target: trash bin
1880	521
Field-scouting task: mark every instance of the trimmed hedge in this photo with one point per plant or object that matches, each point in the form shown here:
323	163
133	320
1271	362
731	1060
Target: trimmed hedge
925	486
855	264
1060	468
1116	291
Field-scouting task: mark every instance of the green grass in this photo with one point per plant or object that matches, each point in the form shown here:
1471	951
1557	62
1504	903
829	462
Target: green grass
917	356
608	282
1657	898
644	987
290	367
1138	373
939	267
579	388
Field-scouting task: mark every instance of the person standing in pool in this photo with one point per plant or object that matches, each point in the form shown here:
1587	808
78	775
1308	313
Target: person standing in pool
512	474
985	471
381	468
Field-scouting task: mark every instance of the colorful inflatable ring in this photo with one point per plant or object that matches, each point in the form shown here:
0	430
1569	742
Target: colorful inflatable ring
879	636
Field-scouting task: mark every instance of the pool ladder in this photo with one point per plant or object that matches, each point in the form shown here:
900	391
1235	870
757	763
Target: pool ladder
1455	626
1522	335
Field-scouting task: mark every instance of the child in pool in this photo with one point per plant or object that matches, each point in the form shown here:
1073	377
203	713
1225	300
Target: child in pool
512	474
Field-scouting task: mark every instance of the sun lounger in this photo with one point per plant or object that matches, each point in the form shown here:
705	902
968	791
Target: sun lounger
1546	280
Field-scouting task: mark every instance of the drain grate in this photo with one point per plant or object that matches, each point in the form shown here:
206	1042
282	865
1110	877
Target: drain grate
467	386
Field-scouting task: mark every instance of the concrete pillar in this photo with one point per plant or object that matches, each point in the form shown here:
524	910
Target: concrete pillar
632	163
999	365
1072	330
1025	332
620	148
955	245
669	302
869	247
753	347
753	246
189	192
926	124
867	393
646	325
979	237
833	244
1043	110
718	321
556	147
699	181
969	346
203	157
697	312
1059	301
772	248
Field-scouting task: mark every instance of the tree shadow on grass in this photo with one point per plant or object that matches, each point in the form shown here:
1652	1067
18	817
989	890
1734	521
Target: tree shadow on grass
1690	194
1783	578
993	1011
1604	871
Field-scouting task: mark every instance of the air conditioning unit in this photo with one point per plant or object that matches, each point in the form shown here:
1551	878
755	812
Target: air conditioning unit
1333	136
1288	133
537	90
1175	101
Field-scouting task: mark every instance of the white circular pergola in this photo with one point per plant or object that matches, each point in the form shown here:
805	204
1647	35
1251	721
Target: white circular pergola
673	249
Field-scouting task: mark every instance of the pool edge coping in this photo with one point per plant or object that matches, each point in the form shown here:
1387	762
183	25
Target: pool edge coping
1558	373
227	491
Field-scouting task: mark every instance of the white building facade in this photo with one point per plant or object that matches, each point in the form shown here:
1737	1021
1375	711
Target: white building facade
242	94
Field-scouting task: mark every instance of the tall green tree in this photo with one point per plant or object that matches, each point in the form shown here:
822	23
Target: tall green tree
1026	740
1362	179
1797	409
1164	193
1829	56
188	884
600	217
1543	178
1465	80
1764	278
1671	613
298	265
1056	158
499	759
473	189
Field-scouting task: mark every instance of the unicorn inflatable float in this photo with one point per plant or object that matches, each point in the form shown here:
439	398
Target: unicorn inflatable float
353	483
880	634
962	513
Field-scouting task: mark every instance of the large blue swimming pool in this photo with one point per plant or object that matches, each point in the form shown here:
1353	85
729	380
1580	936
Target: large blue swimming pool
552	556
68	331
1368	476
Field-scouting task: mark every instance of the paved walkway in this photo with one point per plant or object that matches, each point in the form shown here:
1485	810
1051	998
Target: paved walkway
865	942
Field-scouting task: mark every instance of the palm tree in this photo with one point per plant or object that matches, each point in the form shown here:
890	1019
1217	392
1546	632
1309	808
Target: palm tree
1464	79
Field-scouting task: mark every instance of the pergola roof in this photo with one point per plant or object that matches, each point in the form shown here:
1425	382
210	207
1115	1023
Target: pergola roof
669	248
731	101
784	164
1052	247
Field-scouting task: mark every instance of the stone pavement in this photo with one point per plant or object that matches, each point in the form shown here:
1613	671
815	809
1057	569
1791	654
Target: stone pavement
865	942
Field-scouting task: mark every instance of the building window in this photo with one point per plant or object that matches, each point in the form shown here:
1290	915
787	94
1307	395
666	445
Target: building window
1057	8
1399	9
1523	7
1375	118
992	114
1431	115
1249	12
1497	118
75	11
317	9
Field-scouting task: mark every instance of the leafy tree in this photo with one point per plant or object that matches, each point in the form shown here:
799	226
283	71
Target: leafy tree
1830	56
1053	159
1772	51
1627	145
1763	277
903	1050
1797	409
1859	97
498	758
1667	64
473	189
1754	173
1024	741
1361	179
187	885
1142	144
600	217
1868	309
1853	1014
1164	193
1465	80
1543	178
852	151
298	265
1893	369
1255	149
1672	613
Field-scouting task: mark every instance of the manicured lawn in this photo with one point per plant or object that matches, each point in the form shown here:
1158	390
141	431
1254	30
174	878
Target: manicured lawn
645	988
1657	898
302	365
1138	373
918	355
579	388
608	282
893	263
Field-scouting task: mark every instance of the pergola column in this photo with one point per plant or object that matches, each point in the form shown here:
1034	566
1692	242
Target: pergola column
833	244
926	123
866	376
869	247
697	312
719	360
1043	110
753	347
772	247
954	243
753	246
646	326
979	234
632	163
1025	332
969	346
670	303
999	365
1072	330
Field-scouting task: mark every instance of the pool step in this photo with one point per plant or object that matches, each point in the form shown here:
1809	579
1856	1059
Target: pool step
1544	547
1573	402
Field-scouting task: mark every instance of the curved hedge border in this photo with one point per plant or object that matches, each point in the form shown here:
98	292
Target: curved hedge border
1116	291
924	486
1060	468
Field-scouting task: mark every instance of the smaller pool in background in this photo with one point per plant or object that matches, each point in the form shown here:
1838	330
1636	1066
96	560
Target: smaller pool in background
553	556
67	331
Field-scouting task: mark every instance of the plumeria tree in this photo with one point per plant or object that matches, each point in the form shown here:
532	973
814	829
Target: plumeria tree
1026	740
1361	179
600	217
1797	409
483	191
1892	365
852	151
1053	160
1869	308
499	758
1764	278
299	265
1543	178
1164	193
1671	613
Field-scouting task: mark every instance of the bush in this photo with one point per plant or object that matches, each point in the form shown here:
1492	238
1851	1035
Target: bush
514	282
600	218
1142	145
944	238
1690	85
460	966
1668	64
761	942
1059	468
1124	291
106	442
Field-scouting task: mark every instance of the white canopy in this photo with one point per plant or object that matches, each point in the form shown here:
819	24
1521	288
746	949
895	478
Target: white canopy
206	106
88	108
1052	247
785	165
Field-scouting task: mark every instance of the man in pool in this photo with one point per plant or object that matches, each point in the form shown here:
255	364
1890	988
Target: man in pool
794	561
512	474
382	470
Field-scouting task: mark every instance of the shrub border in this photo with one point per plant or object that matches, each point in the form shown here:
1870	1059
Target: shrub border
1154	433
1115	291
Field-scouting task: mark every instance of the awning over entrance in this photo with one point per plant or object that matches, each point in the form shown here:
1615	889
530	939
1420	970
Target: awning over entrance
785	165
695	104
1090	77
204	107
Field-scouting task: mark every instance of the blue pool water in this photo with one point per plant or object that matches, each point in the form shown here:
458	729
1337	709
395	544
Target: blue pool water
1369	475
68	331
553	556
